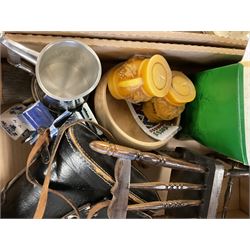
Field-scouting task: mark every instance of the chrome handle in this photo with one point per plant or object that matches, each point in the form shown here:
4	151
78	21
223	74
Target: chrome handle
15	60
24	52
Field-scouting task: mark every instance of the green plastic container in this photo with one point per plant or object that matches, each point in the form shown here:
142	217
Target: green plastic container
219	116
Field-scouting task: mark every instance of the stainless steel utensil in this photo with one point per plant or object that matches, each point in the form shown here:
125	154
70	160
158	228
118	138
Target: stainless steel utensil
66	70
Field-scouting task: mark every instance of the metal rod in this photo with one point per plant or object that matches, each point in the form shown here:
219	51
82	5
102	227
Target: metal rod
227	197
237	173
228	193
167	186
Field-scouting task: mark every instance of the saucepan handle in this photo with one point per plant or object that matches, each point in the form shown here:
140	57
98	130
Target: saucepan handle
24	52
15	60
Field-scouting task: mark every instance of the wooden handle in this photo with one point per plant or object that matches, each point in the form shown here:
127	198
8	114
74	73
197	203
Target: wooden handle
144	157
120	191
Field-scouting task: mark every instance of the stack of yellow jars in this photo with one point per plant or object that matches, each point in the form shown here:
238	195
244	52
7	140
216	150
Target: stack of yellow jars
164	92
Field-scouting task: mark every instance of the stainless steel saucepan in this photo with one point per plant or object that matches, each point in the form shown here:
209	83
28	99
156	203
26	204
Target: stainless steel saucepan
66	70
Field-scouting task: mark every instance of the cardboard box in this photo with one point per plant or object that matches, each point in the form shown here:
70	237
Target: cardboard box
187	57
194	38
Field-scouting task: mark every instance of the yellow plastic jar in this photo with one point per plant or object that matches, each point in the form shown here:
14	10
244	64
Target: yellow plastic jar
172	105
139	79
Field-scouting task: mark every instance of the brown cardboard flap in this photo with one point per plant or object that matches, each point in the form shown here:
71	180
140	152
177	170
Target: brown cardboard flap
189	57
194	38
232	214
1	83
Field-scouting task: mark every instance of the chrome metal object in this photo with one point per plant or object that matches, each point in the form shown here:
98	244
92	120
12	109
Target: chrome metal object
216	190
66	69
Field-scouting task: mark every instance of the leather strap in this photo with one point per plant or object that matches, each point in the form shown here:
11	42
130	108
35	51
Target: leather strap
97	207
43	140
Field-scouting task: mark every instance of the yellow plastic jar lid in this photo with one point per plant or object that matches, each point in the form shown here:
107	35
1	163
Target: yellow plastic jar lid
182	89
157	76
